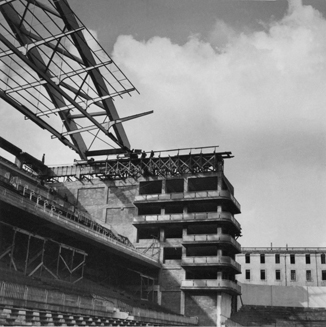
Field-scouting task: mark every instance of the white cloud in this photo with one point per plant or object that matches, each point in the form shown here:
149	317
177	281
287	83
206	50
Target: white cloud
262	96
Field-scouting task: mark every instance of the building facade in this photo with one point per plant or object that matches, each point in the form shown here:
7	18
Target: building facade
283	266
180	209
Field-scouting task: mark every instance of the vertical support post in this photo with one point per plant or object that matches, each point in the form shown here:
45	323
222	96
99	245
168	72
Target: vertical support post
12	251
185	185
42	258
141	286
71	265
218	310
27	254
153	297
163	186
161	240
58	261
182	302
106	194
162	234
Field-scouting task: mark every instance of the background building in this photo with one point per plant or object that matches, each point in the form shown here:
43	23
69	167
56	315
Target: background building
285	266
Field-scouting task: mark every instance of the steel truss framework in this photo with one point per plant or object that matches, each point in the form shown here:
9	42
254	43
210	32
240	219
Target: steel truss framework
176	165
56	74
39	256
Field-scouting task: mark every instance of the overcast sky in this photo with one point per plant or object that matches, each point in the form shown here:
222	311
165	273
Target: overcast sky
249	76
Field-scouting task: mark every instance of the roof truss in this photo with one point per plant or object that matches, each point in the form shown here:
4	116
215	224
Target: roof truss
53	70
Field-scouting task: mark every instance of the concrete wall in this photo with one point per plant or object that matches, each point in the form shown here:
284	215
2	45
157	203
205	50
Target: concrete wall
284	296
109	202
170	281
204	306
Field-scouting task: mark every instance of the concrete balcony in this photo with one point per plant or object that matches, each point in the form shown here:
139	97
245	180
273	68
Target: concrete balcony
188	217
189	196
225	285
211	261
211	238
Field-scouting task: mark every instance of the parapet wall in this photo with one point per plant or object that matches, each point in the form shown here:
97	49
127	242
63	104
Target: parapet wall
283	296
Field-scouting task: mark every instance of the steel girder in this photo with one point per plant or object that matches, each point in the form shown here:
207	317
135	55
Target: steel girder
51	74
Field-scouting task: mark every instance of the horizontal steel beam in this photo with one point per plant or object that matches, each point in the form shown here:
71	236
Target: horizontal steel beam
107	125
26	48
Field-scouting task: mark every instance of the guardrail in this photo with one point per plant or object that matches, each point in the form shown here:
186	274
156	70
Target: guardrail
211	237
188	216
43	299
37	295
211	260
210	283
28	202
187	196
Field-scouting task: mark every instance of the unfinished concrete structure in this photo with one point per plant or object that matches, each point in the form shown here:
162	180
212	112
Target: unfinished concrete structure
178	209
150	236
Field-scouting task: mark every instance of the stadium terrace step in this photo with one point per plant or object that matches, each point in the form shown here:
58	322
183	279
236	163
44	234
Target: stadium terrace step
265	316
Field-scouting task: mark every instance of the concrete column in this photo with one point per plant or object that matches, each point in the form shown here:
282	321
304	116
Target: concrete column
162	234
184	252
162	211
219	182
182	302
161	258
163	186
218	310
185	185
106	195
18	163
219	230
159	295
219	209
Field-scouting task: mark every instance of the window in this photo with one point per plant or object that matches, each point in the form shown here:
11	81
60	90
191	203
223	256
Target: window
308	259
323	275
323	258
174	185
308	276
293	275
150	187
247	274
202	184
262	258
292	258
247	257
262	275
277	258
170	253
278	274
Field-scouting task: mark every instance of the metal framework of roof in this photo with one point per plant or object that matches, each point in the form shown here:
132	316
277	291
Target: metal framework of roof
57	75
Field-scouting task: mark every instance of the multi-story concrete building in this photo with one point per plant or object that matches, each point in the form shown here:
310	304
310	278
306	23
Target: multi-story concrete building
180	210
286	266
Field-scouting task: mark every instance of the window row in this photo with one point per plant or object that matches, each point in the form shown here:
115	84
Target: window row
292	258
177	185
179	208
293	275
